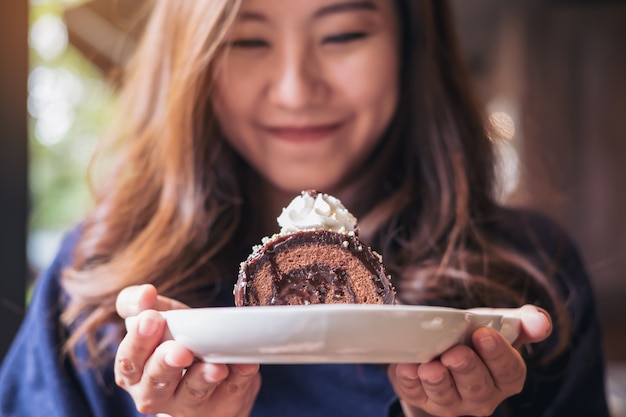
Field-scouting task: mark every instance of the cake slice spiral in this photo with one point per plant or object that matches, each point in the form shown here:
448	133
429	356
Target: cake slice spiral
317	258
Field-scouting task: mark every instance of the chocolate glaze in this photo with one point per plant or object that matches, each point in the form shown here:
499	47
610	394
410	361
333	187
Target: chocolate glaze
312	284
315	282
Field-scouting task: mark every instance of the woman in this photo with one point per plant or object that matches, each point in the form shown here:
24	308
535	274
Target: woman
229	110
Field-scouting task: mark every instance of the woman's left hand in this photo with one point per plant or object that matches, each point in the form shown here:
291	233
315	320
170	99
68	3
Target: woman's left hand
468	380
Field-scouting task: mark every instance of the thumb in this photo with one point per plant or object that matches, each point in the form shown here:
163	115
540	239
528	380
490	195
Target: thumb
134	299
536	324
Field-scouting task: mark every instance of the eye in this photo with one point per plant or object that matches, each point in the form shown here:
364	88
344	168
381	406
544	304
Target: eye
345	37
249	43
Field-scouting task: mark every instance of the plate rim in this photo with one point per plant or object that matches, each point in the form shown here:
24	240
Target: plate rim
332	309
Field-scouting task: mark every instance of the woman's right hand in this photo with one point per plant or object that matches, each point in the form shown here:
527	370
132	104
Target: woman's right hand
162	377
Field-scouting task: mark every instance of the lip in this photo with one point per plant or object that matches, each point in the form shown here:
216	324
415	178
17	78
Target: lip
303	133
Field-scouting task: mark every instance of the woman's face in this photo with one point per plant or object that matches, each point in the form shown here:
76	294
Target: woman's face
305	89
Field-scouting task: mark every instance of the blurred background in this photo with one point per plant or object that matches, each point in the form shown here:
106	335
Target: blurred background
551	74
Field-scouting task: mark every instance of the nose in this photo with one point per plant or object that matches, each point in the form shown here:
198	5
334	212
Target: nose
297	80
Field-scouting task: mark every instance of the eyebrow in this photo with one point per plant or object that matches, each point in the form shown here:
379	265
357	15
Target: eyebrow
324	11
345	7
245	15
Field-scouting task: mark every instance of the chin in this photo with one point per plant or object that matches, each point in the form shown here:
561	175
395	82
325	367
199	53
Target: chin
295	185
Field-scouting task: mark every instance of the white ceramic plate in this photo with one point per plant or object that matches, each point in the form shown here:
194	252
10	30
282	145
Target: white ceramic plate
342	333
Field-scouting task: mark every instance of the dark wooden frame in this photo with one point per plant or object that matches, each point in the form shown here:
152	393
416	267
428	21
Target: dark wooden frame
13	167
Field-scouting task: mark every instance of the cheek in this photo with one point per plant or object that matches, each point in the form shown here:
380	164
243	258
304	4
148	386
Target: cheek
370	81
228	119
374	94
226	101
231	105
234	88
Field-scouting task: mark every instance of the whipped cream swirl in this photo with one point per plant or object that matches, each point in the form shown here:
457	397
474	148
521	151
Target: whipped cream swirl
312	210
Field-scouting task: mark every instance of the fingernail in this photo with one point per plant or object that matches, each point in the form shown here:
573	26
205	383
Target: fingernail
247	370
434	379
211	378
214	373
408	372
139	300
456	364
546	320
170	359
487	343
148	326
133	300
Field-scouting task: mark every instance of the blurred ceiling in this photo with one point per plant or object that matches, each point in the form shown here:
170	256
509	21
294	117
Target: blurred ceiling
103	30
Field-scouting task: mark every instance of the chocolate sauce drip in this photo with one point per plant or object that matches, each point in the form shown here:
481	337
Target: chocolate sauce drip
313	284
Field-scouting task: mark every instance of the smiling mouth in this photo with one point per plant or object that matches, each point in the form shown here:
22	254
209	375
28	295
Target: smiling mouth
301	134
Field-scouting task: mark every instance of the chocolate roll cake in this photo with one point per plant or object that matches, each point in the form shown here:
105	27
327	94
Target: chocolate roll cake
317	258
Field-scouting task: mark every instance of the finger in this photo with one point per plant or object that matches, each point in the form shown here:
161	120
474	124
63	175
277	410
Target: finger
472	378
199	383
438	384
250	371
406	383
238	390
165	303
137	298
134	299
536	324
161	376
503	361
133	351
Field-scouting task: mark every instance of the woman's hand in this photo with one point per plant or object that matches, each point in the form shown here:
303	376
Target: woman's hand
470	380
162	377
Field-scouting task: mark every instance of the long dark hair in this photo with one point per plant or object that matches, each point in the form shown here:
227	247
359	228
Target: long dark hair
438	225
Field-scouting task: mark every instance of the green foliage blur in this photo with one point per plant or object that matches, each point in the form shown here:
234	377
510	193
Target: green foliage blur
70	102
